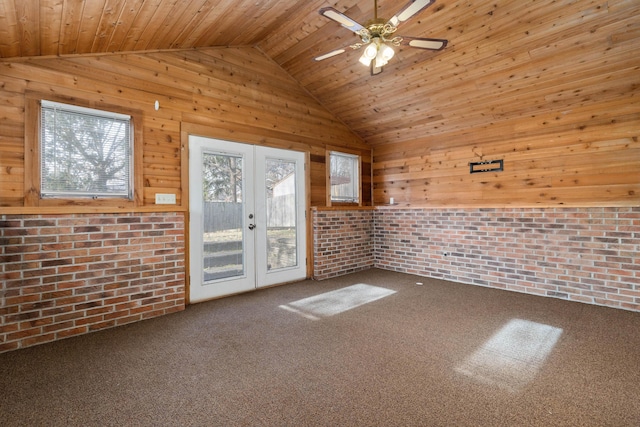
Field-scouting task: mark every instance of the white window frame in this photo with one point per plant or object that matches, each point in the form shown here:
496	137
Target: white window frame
128	191
355	178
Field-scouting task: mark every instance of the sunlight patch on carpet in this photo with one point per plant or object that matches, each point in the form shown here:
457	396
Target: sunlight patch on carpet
338	301
512	357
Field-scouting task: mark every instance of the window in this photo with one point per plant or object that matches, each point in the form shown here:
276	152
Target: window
85	152
344	177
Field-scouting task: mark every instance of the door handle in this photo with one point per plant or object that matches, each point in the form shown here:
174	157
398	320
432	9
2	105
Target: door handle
252	226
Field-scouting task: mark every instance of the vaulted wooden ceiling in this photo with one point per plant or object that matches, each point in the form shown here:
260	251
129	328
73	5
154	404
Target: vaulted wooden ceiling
502	59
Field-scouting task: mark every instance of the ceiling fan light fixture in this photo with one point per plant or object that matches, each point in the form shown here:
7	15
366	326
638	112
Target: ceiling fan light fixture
385	53
372	49
364	60
370	52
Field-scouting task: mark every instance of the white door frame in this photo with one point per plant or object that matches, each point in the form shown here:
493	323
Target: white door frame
256	273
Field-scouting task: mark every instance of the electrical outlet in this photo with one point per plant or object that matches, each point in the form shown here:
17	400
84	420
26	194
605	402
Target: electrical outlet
165	199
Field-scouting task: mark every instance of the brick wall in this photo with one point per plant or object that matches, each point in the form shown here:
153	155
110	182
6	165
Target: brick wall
590	255
65	275
342	242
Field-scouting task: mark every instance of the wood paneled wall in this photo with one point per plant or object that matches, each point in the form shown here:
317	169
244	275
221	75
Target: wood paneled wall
235	94
553	89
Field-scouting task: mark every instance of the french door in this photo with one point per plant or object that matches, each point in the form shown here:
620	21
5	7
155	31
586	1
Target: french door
247	225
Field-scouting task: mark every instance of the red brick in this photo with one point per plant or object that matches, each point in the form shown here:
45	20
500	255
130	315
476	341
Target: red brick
102	325
11	327
23	334
58	326
38	339
128	319
141	309
8	346
71	332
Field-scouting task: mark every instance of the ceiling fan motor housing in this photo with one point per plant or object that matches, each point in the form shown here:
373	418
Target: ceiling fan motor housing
379	28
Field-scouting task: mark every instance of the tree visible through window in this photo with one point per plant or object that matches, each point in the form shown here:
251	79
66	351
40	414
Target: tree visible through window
222	178
85	152
344	177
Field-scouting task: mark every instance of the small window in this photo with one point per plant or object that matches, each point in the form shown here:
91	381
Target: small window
344	177
85	152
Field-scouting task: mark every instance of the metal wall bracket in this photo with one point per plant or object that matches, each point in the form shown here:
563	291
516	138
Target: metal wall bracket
488	166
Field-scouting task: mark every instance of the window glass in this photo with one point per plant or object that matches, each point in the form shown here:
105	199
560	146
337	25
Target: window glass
85	152
344	177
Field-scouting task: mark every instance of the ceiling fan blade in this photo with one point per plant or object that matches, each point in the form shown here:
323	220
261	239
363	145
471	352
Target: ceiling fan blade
329	54
345	21
410	9
424	43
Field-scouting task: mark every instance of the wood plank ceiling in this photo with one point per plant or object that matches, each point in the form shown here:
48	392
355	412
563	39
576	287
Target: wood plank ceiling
500	53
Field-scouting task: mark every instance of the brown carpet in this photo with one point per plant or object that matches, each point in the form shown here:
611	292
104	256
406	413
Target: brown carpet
437	354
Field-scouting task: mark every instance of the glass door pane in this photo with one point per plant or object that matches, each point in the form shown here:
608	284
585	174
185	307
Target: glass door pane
222	209
280	180
281	248
221	218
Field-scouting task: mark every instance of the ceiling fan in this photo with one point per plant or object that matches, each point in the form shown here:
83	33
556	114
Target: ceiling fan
377	36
